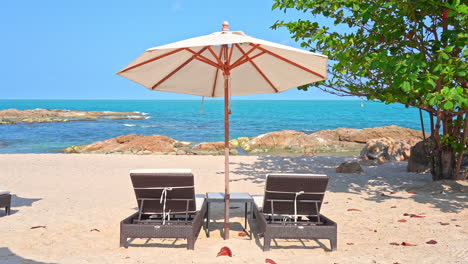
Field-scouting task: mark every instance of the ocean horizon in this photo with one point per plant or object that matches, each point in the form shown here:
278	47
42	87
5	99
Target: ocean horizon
196	121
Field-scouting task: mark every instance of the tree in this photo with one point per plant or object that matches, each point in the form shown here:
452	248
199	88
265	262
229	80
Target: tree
412	52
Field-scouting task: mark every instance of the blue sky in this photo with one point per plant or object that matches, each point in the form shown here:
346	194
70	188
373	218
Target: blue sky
72	49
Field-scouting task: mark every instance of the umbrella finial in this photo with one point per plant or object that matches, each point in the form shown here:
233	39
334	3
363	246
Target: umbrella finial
225	26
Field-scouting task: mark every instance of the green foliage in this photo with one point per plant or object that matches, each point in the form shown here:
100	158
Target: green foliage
412	52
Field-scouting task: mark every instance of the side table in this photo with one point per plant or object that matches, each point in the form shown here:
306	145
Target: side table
234	198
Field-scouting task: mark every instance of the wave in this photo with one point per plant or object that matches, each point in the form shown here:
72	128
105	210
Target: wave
139	117
129	125
142	113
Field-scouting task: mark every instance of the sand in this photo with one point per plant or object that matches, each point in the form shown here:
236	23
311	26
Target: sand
72	194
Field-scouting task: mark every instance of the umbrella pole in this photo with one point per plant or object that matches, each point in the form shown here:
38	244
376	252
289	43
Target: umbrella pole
226	156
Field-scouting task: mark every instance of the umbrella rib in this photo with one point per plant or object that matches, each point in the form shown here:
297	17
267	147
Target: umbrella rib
151	60
230	55
255	46
178	68
251	58
216	77
203	58
290	62
220	63
258	69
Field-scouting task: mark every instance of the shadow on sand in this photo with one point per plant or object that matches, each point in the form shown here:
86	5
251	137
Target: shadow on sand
376	181
7	256
17	201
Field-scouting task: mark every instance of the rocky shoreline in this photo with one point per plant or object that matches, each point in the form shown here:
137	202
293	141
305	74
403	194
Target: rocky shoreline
340	140
38	115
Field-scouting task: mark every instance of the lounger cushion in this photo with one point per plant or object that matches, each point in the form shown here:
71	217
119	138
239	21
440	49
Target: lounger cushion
3	192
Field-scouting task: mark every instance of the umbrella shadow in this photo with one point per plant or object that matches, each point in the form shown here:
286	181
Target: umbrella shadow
376	181
7	256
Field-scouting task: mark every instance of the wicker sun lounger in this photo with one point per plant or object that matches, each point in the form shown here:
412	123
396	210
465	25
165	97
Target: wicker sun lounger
167	207
290	208
5	201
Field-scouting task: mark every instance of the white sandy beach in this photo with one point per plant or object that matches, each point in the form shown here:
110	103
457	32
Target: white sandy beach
73	194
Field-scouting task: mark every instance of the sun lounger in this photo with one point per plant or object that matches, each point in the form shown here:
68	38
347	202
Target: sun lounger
167	207
290	209
5	201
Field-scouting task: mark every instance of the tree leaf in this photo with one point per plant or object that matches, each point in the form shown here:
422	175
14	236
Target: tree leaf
405	86
448	105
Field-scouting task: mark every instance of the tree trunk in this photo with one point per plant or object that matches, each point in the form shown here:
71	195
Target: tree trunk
443	164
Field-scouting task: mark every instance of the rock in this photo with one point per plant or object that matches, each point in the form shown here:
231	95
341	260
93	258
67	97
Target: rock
14	116
282	142
364	135
138	144
420	159
385	149
212	148
349	167
290	141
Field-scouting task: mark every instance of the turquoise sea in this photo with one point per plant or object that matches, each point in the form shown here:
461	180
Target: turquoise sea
183	120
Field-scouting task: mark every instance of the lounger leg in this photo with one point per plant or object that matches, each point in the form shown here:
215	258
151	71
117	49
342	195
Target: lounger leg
333	243
266	242
207	219
123	241
7	210
191	243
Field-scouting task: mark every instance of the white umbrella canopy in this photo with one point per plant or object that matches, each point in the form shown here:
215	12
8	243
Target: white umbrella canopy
256	66
223	64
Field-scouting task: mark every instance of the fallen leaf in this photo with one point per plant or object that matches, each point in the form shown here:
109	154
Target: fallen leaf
94	229
402	221
383	194
242	234
431	242
393	193
354	210
411	192
395	244
442	223
349	198
417	216
406	244
458	225
269	261
453	219
35	227
406	214
225	251
375	231
349	244
393	206
234	207
325	203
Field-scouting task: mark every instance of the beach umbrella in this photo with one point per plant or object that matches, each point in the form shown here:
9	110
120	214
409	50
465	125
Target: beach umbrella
224	64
